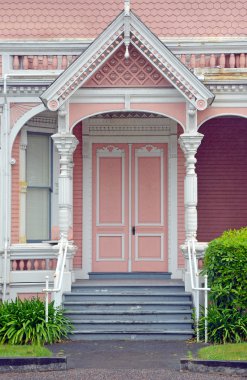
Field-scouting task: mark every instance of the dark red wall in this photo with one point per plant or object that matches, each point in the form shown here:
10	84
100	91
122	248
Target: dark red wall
222	177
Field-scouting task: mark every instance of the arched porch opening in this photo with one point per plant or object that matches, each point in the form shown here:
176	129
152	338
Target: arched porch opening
34	162
222	181
120	130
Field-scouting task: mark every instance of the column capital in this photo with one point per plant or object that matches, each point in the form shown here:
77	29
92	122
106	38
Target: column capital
65	143
190	143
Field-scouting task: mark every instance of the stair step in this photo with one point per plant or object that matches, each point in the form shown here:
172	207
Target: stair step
131	275
129	309
159	334
128	289
126	296
113	325
139	315
128	305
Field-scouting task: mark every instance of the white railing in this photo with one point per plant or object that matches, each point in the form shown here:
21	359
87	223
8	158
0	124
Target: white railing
196	289
5	265
58	277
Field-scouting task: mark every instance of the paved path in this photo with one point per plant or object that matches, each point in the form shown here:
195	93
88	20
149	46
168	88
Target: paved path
150	360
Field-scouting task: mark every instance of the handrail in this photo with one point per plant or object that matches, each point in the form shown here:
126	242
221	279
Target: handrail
58	276
5	270
194	277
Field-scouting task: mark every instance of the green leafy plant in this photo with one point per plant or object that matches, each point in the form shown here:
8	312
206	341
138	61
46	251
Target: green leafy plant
23	322
226	265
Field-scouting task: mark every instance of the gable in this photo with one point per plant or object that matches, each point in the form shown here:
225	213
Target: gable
127	29
135	71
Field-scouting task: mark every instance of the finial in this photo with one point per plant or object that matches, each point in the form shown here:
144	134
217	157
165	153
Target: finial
127	27
127	7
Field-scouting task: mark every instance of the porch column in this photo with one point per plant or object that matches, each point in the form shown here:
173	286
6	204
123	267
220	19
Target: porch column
66	143
189	144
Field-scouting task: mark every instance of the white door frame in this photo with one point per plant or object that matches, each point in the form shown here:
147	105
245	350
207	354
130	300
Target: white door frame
129	131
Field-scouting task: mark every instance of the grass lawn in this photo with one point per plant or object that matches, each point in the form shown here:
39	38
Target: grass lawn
8	350
237	351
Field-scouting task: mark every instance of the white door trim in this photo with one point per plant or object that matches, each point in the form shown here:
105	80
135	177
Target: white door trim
129	132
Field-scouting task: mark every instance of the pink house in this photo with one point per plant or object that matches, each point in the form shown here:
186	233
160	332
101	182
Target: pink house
123	127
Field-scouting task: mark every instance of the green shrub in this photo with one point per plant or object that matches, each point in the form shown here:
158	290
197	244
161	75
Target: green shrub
224	325
23	322
226	265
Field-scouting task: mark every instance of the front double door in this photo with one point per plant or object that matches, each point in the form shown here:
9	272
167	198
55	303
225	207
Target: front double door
129	207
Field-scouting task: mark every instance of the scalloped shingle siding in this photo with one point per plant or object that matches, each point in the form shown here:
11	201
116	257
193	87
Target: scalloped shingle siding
42	19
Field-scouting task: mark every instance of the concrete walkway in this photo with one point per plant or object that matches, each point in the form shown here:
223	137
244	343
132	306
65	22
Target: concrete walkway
125	354
123	360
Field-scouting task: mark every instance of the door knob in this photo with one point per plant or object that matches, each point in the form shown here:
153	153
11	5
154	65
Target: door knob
133	230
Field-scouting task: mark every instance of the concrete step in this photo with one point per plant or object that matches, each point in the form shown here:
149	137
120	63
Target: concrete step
126	296
131	275
158	334
137	315
111	308
127	305
130	325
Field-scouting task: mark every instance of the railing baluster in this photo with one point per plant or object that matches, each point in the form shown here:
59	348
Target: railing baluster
54	62
64	62
45	62
212	61
242	60
222	61
232	61
21	265
25	62
35	63
202	60
16	62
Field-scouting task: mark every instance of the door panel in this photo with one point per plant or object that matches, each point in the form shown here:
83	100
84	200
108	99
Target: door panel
110	207
149	211
129	196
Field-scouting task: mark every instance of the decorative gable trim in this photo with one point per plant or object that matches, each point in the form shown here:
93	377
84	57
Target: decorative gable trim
168	64
147	44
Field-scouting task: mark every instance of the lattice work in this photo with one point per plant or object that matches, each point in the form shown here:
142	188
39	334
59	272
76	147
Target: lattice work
120	72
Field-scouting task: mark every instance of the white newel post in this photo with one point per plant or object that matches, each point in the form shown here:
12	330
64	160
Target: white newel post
66	143
189	144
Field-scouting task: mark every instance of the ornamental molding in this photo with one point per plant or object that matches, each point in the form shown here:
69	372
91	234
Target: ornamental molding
127	29
129	126
110	149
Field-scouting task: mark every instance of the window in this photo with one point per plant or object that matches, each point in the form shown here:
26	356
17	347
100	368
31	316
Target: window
38	174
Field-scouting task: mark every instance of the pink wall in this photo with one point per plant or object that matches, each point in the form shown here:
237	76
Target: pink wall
15	192
222	179
77	194
181	175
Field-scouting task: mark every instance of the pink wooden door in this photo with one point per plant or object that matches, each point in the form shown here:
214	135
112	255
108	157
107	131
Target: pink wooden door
149	207
110	207
129	207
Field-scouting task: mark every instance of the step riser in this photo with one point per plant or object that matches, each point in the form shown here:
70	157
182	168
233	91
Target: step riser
163	337
127	317
135	298
131	327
